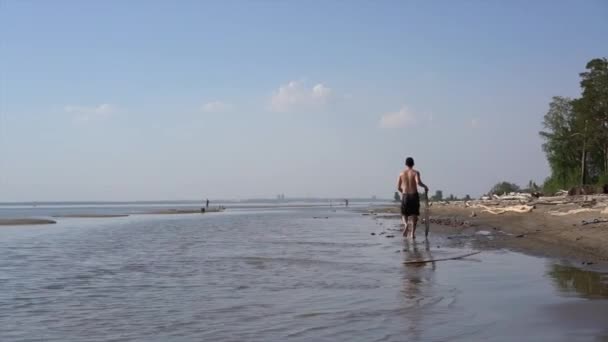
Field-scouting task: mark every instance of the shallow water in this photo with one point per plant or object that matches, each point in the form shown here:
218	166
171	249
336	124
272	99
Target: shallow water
278	275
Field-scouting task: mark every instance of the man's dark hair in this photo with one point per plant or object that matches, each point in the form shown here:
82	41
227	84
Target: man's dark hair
409	162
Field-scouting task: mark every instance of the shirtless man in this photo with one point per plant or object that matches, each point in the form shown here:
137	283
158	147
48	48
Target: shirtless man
407	185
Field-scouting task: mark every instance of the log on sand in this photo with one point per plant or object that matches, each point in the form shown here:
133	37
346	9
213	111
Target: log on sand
498	211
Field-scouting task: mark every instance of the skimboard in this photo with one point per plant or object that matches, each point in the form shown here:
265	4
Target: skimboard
440	259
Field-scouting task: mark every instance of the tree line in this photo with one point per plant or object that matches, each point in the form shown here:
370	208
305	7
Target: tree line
576	132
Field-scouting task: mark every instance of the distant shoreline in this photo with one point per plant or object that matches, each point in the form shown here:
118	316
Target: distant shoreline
25	222
90	215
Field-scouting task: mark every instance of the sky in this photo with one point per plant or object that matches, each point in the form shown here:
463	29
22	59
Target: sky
169	100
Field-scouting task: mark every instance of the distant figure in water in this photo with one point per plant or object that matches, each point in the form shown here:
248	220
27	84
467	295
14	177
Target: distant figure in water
407	185
346	202
207	204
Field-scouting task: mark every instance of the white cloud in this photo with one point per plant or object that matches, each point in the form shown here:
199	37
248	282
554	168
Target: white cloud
216	107
296	96
88	113
399	119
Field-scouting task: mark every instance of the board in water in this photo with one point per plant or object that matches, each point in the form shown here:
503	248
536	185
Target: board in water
439	259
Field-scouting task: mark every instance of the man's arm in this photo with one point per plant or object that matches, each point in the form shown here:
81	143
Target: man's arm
419	182
399	182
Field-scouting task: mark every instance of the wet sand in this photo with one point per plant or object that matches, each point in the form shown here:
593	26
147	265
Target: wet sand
175	211
24	222
91	215
537	232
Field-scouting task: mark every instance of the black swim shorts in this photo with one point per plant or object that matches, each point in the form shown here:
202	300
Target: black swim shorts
410	204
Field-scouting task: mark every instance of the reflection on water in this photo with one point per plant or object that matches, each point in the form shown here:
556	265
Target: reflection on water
417	286
586	283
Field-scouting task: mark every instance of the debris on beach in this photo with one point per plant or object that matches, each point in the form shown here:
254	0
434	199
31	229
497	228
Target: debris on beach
563	202
451	222
595	221
502	210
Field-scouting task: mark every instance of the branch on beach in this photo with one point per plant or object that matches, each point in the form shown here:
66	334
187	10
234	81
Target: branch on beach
498	211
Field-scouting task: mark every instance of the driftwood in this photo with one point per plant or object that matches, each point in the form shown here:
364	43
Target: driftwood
440	259
549	203
584	223
502	210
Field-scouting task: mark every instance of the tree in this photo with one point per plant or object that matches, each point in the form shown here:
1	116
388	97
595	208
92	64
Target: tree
397	197
576	132
504	188
467	198
562	142
438	196
592	109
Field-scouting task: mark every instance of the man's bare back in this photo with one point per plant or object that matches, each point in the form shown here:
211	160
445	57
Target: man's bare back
409	181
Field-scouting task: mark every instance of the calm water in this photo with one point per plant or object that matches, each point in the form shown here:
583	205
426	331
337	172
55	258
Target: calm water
279	275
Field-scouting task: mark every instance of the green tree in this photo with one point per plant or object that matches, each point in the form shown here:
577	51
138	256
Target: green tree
562	142
576	132
467	198
504	188
592	110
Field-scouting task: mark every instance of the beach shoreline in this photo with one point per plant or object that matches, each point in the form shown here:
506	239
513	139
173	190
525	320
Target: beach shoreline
536	232
34	220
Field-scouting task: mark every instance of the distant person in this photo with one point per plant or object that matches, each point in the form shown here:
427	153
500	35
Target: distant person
346	202
407	185
207	204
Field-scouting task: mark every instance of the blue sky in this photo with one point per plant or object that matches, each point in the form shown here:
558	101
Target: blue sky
143	100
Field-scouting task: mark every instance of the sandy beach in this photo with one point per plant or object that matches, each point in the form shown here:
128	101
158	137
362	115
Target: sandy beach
537	232
180	211
90	215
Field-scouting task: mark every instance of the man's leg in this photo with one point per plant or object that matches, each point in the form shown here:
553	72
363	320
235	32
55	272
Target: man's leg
405	226
414	223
